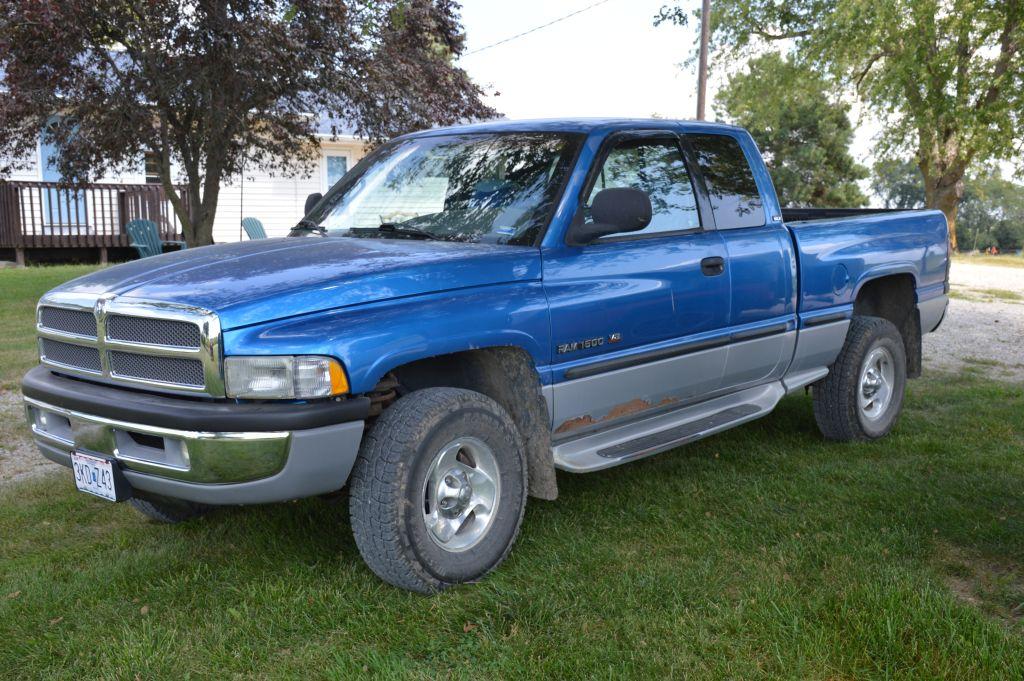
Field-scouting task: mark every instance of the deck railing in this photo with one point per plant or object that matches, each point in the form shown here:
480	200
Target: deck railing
46	215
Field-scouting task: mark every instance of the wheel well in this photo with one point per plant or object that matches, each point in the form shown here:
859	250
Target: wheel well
505	374
894	298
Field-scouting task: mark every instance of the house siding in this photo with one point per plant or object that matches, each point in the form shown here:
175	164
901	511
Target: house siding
276	200
28	168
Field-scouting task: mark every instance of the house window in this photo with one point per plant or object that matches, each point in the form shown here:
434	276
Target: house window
152	160
337	166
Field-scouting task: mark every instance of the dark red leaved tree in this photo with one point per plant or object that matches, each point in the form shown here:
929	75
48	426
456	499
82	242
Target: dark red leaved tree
210	83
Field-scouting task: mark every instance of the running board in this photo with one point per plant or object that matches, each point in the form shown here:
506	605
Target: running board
645	437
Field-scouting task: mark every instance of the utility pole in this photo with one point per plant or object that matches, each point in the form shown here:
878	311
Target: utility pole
702	72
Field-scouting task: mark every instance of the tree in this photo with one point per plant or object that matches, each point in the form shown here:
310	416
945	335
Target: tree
946	77
898	183
211	84
992	212
805	137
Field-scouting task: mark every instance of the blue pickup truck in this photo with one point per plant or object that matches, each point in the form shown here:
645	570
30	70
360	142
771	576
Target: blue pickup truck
470	309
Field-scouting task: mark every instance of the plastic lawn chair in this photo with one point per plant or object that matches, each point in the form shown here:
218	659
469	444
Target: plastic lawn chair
145	238
254	228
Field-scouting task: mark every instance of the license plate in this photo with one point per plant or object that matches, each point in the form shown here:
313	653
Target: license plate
95	476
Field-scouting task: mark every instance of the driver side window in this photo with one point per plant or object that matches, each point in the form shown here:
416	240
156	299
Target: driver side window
655	166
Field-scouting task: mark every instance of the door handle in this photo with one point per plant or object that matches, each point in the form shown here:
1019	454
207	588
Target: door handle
712	267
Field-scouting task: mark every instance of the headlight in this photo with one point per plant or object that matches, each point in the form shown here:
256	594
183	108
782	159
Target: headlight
284	377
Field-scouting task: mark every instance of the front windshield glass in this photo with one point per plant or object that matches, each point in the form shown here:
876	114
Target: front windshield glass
479	188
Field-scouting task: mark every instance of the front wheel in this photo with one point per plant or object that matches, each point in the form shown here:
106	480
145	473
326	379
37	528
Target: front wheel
862	396
438	491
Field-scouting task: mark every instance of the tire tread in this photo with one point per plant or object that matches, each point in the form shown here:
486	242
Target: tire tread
834	397
375	494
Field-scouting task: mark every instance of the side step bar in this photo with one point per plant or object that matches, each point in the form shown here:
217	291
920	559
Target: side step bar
645	437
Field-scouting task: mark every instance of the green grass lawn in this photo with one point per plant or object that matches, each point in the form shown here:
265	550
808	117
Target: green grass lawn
19	291
762	552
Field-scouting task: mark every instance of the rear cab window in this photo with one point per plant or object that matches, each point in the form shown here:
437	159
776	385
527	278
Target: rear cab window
735	201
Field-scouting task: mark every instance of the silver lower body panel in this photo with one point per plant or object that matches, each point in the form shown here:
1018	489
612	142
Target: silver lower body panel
644	437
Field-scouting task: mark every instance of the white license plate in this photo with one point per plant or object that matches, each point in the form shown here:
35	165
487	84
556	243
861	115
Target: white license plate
94	475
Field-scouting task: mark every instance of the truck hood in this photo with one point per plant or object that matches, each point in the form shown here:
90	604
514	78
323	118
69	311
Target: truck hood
258	281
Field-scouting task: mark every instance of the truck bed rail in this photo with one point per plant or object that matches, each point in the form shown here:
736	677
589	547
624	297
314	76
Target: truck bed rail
805	214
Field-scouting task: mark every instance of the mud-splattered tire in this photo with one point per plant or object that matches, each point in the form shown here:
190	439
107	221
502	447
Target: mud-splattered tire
167	510
862	396
438	491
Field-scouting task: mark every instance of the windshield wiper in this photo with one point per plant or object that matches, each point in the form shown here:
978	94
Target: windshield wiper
305	225
392	228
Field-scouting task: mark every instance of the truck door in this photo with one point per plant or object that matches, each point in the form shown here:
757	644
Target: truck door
761	263
637	319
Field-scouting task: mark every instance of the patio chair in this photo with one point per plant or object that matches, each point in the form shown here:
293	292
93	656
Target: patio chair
145	238
254	228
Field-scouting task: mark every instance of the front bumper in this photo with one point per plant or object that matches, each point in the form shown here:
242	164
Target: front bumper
189	449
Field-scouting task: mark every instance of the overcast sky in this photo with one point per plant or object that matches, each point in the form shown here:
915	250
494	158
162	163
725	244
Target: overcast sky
607	61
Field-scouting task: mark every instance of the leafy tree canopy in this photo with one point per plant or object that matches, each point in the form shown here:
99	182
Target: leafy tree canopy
805	137
992	212
898	183
213	84
946	77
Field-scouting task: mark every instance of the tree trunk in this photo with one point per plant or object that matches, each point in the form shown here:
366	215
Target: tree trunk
944	192
199	231
202	224
948	201
203	229
197	215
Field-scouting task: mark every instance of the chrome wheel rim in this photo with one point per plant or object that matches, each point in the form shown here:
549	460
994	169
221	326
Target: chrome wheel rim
877	383
461	493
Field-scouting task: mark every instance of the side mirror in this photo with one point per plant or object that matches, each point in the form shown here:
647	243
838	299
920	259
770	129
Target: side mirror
613	211
311	201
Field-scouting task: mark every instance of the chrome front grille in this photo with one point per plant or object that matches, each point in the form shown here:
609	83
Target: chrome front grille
172	370
70	355
167	347
76	322
151	331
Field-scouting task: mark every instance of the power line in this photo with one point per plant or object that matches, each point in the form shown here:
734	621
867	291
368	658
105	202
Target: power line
537	28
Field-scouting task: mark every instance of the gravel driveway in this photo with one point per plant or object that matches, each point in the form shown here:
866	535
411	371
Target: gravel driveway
984	325
983	329
19	458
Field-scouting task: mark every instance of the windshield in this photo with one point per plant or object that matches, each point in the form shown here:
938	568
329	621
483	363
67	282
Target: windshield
479	188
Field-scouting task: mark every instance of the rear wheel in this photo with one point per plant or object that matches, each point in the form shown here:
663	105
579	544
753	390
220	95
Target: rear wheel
438	491
862	396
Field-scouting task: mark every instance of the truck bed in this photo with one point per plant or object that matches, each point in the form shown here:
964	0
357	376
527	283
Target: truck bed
840	249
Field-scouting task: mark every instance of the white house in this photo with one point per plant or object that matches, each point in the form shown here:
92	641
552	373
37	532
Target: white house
276	200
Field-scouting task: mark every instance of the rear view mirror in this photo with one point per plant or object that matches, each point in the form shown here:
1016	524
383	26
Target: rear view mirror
311	202
614	210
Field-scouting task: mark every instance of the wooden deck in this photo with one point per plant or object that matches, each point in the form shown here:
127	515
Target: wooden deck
46	215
